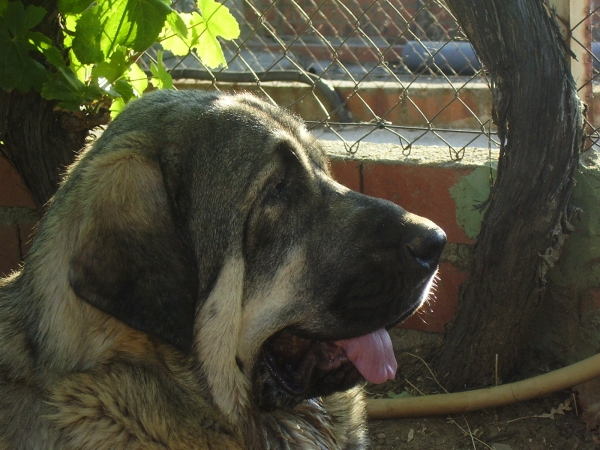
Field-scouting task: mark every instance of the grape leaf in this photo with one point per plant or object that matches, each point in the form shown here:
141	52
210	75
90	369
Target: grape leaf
73	6
132	23
218	22
3	6
177	24
181	45
71	93
138	79
132	85
139	24
124	89
162	79
44	45
88	37
116	107
115	67
203	31
17	68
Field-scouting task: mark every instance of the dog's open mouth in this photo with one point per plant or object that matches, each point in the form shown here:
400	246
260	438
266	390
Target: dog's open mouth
293	368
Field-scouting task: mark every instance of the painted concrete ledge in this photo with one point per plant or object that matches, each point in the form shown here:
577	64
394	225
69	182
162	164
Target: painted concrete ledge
456	102
429	97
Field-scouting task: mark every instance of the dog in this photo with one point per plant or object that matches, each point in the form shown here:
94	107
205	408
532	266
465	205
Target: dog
199	281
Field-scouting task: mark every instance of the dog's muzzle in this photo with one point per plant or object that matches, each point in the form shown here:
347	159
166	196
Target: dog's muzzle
369	271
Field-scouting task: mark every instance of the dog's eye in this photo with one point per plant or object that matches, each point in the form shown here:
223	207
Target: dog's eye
280	189
281	185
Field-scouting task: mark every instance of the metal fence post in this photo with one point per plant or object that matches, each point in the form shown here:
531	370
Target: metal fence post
575	21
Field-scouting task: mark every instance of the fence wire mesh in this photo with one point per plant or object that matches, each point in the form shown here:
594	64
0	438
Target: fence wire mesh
585	40
392	71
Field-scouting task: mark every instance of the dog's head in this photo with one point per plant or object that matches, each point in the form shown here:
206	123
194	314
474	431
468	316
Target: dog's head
211	222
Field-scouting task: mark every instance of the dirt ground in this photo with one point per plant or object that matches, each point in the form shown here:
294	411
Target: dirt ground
551	422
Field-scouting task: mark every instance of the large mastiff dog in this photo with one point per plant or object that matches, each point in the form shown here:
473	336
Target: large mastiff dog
200	282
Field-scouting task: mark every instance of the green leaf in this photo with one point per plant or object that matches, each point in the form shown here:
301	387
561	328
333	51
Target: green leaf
203	30
140	24
131	23
88	37
69	90
177	24
117	106
218	22
181	45
115	67
3	6
69	24
470	193
124	89
209	50
82	71
73	6
44	45
132	85
26	19
162	78
138	79
17	68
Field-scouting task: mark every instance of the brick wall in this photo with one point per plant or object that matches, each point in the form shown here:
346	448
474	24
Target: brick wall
17	218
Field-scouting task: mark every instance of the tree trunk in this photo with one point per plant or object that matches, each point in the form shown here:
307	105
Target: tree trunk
540	126
36	139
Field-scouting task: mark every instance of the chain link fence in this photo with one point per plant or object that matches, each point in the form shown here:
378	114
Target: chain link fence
393	71
585	41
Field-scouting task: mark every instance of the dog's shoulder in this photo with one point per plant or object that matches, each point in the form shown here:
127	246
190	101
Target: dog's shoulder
116	406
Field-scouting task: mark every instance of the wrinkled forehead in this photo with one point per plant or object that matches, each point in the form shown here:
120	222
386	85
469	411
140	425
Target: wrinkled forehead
274	126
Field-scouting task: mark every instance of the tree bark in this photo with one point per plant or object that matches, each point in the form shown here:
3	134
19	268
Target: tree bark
540	126
38	140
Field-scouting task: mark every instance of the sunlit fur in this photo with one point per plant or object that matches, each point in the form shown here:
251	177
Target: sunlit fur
165	261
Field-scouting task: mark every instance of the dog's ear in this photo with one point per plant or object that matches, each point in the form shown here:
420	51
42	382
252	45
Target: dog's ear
132	259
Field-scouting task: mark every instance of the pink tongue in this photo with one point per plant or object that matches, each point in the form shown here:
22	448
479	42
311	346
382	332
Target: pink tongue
373	356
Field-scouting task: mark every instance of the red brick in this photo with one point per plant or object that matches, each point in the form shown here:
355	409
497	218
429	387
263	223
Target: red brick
422	190
10	254
346	173
441	307
12	191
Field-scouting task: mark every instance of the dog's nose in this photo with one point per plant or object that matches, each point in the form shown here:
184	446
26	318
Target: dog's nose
426	249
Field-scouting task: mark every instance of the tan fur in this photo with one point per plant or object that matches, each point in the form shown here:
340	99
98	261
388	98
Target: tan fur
218	336
74	377
260	318
160	270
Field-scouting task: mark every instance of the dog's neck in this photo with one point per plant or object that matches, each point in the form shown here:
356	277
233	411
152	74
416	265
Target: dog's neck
333	423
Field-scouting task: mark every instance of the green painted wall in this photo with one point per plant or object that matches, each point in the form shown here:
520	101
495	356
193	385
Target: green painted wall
579	264
470	195
568	326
